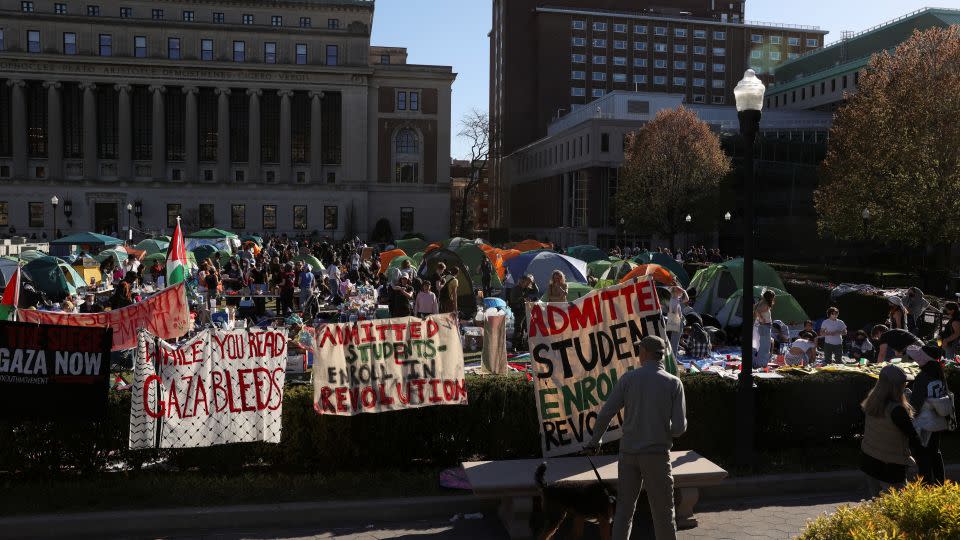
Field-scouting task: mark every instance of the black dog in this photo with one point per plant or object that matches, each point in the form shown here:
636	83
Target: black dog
583	502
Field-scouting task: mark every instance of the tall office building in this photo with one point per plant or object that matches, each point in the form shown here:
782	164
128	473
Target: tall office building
551	57
253	116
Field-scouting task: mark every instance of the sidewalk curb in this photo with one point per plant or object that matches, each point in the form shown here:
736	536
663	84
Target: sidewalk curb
174	520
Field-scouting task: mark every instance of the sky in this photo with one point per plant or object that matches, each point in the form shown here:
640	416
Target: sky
454	33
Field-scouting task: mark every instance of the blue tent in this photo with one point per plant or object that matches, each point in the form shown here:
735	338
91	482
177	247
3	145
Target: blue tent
542	264
667	262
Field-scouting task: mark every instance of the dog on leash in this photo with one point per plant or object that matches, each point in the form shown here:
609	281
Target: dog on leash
561	500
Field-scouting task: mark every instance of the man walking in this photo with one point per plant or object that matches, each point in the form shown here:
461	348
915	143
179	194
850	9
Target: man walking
655	412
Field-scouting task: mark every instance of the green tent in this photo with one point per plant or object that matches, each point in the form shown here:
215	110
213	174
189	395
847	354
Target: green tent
152	245
212	234
473	258
667	262
224	257
204	252
258	240
716	283
411	245
417	259
574	291
618	270
30	255
53	277
597	268
88	239
117	254
309	259
586	253
466	301
785	309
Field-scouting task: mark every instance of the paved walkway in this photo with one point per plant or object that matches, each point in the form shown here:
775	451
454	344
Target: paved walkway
774	519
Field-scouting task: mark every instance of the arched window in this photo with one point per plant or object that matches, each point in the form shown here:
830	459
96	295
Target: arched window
407	142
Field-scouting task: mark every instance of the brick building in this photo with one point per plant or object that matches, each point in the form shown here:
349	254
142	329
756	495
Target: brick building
479	205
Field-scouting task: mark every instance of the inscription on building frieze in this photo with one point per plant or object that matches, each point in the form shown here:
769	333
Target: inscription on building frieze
154	72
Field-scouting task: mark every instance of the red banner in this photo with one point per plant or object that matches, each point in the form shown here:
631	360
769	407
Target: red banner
165	315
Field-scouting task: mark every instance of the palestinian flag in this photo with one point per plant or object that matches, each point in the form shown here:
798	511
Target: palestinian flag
176	258
11	297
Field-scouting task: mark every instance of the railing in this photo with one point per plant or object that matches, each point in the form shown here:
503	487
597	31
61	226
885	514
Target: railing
782	25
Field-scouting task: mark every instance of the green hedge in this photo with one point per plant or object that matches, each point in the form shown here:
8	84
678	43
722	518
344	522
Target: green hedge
499	423
857	310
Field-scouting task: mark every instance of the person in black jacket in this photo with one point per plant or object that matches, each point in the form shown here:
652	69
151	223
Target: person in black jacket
930	383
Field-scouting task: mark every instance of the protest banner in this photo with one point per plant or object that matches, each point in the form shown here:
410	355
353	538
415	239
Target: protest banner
217	388
53	371
579	350
387	365
165	314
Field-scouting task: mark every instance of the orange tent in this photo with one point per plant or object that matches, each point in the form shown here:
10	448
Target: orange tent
251	243
530	245
508	254
134	252
431	247
660	274
388	256
496	259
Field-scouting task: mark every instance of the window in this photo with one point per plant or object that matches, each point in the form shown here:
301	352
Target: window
188	16
640	62
26	7
719	51
269	216
698	98
639	29
600	43
700	83
619	77
599	76
640	79
106	45
699	34
599	27
218	17
699	66
719	68
578	58
330	218
35	210
60	9
407	173
660	80
578	92
700	50
619	44
833	85
579	42
660	64
600	60
679	81
660	47
640	46
757	54
598	92
620	28
156	14
793	42
721	36
33	41
756	38
300	217
173	212
813	42
792	56
140	46
276	20
270	52
680	49
604	142
719	83
206	216
238	216
239	51
679	64
301	177
4	213
718	100
823	88
401	100
126	13
385	59
680	32
660	30
93	11
69	43
579	25
305	22
414	101
1	40
774	55
844	82
619	60
247	18
173	48
333	55
578	75
406	219
776	40
206	49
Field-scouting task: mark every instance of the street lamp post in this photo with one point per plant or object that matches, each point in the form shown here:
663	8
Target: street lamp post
129	222
54	201
623	233
749	96
726	219
688	220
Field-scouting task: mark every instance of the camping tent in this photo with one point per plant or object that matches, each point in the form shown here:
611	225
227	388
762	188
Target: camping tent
716	283
667	262
785	309
88	268
574	291
53	277
212	234
542	264
387	256
152	245
659	274
29	255
7	268
203	252
411	245
252	238
87	241
597	268
466	301
618	270
473	258
531	245
311	260
218	238
587	253
118	255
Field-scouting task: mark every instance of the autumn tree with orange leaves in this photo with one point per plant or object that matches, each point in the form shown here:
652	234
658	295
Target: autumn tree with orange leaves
671	164
895	148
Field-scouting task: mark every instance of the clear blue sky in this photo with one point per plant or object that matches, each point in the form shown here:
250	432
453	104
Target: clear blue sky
454	33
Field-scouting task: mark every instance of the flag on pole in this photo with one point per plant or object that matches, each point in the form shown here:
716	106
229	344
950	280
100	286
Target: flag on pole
176	258
11	297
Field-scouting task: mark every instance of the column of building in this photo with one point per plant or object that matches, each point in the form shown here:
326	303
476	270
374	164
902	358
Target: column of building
90	169
54	130
223	134
191	137
124	132
316	140
254	170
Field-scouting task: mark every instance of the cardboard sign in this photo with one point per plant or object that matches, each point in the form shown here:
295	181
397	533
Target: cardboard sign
53	371
165	314
387	365
579	350
217	388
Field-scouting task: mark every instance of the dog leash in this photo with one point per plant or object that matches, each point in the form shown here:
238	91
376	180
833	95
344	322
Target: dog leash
599	479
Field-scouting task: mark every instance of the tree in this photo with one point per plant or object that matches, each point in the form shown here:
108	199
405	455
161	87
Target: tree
475	128
895	148
670	165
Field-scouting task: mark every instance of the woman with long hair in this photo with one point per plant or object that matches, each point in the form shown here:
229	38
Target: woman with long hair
558	288
763	320
932	401
888	432
950	333
897	316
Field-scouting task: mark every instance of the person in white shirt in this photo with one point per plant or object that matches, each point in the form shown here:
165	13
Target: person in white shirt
803	351
333	270
833	329
426	302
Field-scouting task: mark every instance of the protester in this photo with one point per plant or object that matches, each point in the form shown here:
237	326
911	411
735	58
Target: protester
654	414
891	344
803	350
781	336
674	325
861	347
486	276
763	316
426	301
888	432
950	333
697	343
897	315
436	278
933	403
916	304
401	295
558	288
524	291
833	329
307	282
287	286
448	291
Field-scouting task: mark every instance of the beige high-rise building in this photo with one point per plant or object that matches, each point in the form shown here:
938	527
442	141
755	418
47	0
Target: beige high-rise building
250	116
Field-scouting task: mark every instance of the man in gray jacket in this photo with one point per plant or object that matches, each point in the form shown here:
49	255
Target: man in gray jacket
655	412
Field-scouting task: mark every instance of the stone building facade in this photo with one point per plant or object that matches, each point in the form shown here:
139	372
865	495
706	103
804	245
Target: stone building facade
251	116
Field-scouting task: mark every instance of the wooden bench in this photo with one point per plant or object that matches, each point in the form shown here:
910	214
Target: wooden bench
513	482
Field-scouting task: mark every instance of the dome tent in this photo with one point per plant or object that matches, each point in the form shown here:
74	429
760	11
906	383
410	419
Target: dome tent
716	283
473	258
587	254
466	301
542	264
667	262
785	309
53	277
